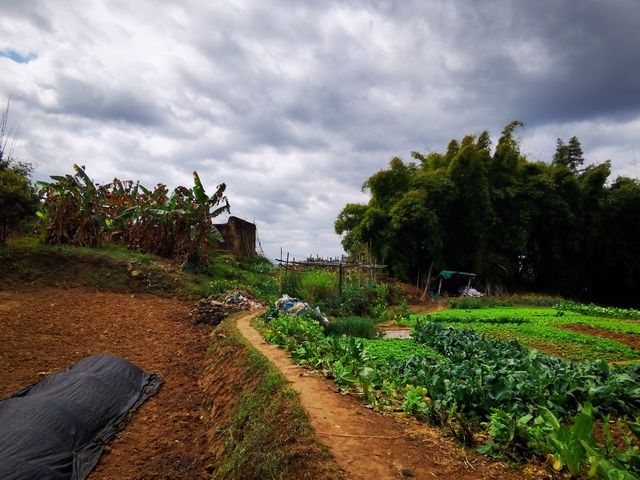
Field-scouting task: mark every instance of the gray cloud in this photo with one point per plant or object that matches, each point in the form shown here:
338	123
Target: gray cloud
294	105
77	98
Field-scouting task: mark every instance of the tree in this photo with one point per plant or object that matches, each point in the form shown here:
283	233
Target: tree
558	227
569	155
18	199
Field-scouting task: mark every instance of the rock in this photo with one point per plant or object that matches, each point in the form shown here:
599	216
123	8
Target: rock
210	311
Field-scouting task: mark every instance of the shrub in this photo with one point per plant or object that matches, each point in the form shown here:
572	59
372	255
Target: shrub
469	303
363	327
290	283
317	285
534	300
258	264
358	299
18	200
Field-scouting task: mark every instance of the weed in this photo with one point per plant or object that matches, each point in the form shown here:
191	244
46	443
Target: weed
363	327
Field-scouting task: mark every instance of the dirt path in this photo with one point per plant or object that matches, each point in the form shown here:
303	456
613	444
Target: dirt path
46	330
369	445
391	329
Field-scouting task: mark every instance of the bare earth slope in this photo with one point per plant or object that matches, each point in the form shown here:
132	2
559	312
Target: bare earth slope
45	330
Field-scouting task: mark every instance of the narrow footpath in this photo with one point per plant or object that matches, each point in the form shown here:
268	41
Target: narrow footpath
367	444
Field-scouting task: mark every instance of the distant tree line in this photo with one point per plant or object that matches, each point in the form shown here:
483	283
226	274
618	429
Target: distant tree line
561	227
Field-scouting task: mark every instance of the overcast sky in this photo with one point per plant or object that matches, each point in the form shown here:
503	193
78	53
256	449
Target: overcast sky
294	104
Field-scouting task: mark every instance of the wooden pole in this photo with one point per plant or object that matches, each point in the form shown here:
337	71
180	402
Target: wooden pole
469	285
440	286
280	274
426	288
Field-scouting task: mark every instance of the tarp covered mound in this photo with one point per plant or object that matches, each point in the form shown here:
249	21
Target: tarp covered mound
57	428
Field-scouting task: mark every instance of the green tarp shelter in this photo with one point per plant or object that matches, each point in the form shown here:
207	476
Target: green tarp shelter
450	274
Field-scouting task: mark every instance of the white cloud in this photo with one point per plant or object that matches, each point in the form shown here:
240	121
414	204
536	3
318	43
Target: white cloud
294	105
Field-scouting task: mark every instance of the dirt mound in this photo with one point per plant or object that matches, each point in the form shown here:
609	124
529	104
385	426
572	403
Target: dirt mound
215	308
49	266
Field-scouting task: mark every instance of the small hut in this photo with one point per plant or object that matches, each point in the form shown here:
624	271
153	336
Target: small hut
239	237
455	279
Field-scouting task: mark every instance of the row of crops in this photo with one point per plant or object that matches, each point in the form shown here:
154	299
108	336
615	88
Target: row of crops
493	393
547	329
174	224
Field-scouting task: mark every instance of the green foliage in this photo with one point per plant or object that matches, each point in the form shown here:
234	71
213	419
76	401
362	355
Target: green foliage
557	226
179	225
18	200
466	303
359	297
363	327
529	402
569	155
416	402
489	373
395	350
581	446
258	264
533	300
540	327
265	418
318	285
231	274
597	311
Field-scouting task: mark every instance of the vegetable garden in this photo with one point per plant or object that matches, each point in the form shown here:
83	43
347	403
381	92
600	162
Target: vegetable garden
472	372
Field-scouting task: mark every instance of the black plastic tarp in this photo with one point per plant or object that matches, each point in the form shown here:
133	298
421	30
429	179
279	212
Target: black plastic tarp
57	428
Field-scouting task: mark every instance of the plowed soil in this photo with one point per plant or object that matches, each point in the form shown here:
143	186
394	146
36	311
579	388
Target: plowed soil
45	330
630	339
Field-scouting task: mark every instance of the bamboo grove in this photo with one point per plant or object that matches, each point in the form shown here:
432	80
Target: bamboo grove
562	227
176	225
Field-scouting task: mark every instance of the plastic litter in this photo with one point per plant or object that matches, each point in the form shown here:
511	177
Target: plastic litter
471	292
295	306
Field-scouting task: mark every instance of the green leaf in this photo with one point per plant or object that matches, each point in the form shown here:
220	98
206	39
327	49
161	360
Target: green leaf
87	181
128	213
215	235
198	190
218	211
366	373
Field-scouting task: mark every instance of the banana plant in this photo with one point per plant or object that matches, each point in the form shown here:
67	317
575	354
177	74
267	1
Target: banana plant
71	209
